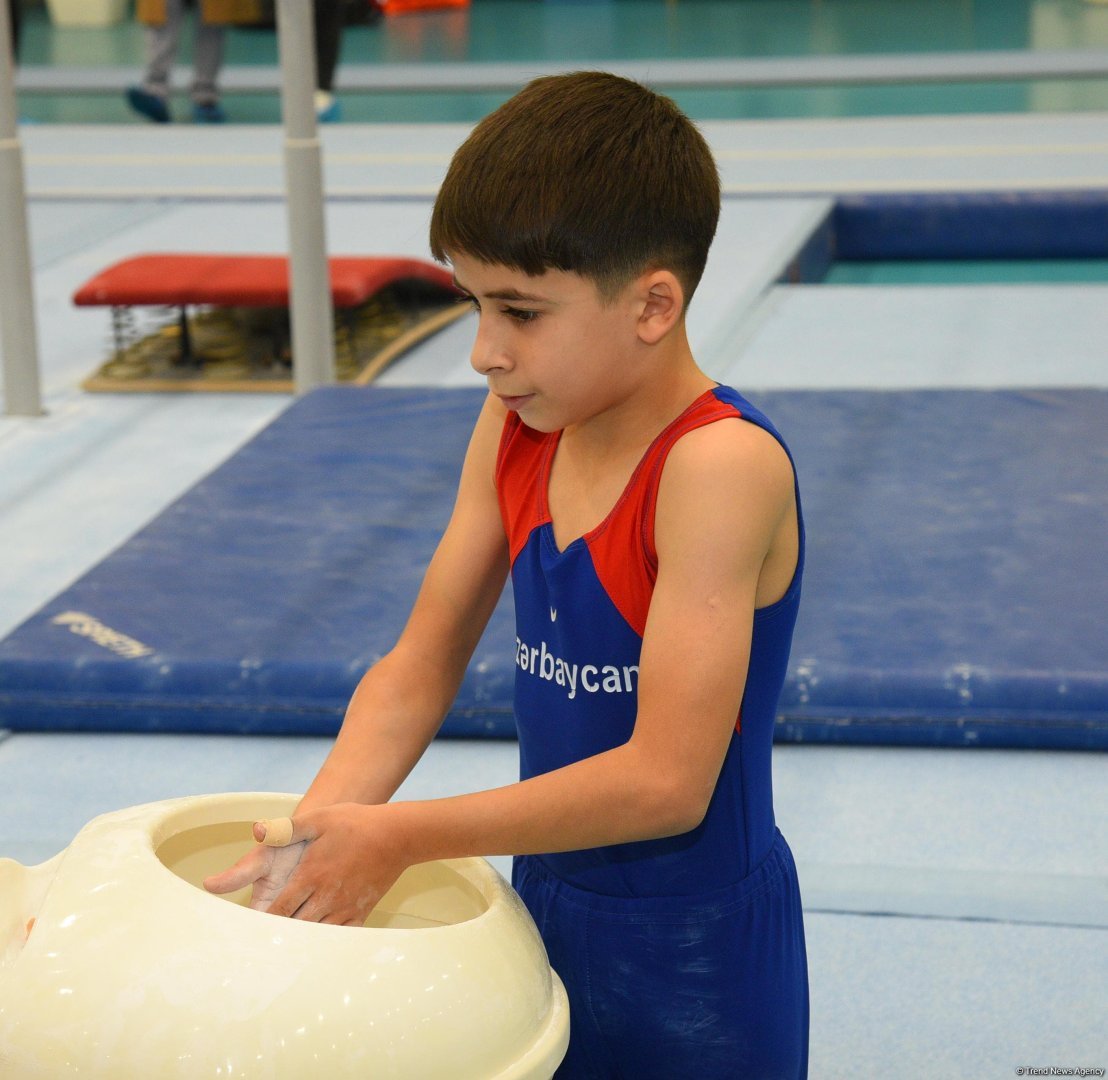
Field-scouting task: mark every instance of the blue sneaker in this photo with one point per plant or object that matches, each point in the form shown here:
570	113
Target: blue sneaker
331	113
211	113
149	105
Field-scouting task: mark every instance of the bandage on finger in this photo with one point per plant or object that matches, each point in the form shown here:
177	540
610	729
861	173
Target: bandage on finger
278	831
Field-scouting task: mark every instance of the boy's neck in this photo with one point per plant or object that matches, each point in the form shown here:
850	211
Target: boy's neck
668	383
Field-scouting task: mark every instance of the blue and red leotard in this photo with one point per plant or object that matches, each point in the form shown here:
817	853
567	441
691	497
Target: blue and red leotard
720	903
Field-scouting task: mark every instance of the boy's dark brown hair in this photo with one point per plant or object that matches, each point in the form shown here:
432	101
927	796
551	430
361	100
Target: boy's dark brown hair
587	172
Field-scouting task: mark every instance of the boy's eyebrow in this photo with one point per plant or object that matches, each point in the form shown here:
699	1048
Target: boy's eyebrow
505	294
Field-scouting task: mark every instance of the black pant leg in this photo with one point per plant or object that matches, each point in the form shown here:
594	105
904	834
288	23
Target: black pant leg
329	17
15	7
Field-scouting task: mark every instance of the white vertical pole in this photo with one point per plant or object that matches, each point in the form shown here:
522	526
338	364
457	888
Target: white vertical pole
313	339
18	343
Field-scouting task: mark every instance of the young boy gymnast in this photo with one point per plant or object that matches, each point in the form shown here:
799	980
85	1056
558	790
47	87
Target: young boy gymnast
651	526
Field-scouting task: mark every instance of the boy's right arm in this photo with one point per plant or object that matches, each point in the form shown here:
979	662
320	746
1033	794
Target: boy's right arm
400	702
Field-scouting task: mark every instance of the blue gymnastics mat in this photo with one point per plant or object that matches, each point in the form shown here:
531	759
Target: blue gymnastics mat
955	592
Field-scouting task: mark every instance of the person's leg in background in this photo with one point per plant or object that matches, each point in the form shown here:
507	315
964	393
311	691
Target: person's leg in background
329	18
15	8
151	99
207	63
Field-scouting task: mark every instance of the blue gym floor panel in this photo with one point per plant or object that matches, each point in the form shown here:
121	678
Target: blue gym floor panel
972	225
954	593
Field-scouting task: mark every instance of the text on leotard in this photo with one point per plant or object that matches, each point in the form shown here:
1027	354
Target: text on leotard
539	661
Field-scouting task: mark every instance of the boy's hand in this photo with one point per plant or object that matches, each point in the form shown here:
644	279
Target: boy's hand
266	868
333	868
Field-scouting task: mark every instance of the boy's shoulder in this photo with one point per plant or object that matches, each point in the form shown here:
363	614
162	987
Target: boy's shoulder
734	448
734	465
729	433
727	509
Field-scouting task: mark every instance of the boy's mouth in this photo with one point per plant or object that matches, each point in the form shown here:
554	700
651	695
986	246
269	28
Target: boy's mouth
514	403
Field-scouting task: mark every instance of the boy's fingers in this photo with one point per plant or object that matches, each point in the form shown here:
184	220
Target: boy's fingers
275	832
235	877
285	831
292	898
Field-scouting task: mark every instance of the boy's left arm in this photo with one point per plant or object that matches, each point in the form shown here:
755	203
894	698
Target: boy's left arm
725	513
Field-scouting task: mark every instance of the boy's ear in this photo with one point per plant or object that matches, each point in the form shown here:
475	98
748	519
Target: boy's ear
662	302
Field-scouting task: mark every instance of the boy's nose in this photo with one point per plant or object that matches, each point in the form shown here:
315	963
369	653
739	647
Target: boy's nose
488	355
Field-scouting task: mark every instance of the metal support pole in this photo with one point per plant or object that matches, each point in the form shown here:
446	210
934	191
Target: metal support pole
310	308
18	343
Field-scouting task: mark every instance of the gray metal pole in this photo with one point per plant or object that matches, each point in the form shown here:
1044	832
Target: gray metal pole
313	335
18	344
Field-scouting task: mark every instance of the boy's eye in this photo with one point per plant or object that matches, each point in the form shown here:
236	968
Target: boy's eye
522	315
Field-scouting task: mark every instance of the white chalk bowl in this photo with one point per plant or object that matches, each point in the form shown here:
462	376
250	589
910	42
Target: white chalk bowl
115	963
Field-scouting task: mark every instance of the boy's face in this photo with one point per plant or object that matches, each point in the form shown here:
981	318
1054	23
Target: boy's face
550	347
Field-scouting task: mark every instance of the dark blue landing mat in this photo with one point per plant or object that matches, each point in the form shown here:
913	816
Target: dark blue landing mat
955	592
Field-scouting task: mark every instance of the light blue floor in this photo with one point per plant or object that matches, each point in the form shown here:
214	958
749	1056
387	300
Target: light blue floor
957	900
